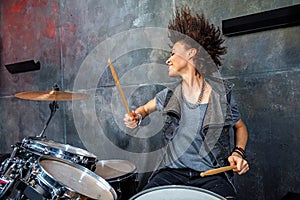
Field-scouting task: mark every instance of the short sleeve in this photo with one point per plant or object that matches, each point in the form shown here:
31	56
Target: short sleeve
236	116
161	99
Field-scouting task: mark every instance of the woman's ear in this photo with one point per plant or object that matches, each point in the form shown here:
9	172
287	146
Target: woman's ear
192	53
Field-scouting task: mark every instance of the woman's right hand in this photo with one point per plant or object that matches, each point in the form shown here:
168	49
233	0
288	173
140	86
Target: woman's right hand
131	121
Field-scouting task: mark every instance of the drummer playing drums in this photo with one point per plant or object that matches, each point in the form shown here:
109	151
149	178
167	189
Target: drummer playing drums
199	112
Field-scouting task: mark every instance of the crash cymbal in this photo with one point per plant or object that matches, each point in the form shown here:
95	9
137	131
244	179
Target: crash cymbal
52	95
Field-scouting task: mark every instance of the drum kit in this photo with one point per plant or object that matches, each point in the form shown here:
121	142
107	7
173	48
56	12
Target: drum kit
43	169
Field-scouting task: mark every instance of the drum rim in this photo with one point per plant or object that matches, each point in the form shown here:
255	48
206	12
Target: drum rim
108	187
59	147
176	187
121	177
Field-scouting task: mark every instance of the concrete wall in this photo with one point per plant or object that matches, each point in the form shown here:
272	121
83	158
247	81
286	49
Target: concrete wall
73	40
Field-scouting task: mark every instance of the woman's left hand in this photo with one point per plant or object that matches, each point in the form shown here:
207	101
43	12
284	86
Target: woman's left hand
242	165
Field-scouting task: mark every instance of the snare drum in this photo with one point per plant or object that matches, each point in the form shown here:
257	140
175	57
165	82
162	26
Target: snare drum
177	192
47	147
62	179
120	174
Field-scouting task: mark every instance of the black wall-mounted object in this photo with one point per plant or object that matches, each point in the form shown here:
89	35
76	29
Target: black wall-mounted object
277	18
25	66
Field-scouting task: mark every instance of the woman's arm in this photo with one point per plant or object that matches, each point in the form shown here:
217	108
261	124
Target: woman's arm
237	157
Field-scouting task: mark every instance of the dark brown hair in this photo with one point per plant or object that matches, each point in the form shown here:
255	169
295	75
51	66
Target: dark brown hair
185	27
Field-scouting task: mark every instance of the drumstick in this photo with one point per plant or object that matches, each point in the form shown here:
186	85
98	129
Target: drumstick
216	171
115	76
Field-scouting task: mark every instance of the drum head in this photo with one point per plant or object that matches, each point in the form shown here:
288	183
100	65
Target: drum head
76	178
177	192
111	169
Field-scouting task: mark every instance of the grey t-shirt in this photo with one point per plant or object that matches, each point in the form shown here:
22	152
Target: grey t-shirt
186	144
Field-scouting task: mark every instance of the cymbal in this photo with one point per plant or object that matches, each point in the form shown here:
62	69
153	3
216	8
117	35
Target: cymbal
52	95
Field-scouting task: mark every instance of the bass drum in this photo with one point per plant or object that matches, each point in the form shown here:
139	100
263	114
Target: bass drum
120	174
61	179
76	155
177	192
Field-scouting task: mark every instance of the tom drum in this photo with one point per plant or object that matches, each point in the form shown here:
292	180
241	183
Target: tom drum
120	174
47	147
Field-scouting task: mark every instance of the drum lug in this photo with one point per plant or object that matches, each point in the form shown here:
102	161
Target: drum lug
46	151
75	159
57	193
84	161
25	141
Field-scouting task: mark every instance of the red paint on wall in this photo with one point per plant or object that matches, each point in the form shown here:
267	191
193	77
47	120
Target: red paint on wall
19	6
50	29
39	3
55	7
28	26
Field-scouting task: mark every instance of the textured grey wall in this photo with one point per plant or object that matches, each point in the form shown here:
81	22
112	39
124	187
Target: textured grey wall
73	40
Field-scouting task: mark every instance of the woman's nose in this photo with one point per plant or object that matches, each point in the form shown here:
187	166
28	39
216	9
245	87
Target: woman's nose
168	62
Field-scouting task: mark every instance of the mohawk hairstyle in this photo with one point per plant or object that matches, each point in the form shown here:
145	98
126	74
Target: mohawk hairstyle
198	28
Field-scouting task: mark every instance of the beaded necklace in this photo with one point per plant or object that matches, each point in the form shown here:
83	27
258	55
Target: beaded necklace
198	102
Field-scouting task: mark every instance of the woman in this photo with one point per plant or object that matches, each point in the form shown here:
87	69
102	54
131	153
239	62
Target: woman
198	113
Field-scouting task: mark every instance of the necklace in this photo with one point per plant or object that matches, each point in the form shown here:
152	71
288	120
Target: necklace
198	102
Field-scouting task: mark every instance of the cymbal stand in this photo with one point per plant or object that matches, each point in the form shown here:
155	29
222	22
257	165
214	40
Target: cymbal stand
53	107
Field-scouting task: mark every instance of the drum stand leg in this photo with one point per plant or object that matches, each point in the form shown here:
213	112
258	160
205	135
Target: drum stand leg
8	162
53	107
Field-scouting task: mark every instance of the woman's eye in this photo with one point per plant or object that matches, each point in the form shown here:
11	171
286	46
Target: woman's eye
172	53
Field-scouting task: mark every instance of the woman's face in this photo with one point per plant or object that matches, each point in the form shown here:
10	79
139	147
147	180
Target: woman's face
178	60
